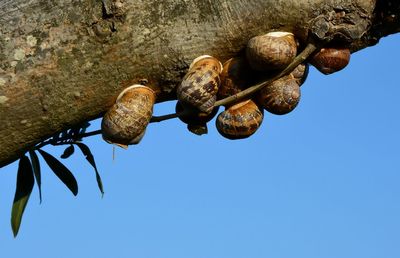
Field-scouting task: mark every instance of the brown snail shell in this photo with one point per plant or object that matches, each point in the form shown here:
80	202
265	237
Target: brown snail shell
240	120
331	60
281	96
300	73
200	85
235	77
273	51
126	121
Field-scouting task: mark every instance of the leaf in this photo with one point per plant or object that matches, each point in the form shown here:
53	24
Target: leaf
61	171
25	182
89	157
68	152
36	171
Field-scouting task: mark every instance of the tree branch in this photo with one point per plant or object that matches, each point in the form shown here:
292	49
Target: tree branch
62	64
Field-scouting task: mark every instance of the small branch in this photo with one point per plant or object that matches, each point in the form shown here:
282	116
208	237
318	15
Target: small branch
97	132
157	119
42	144
310	48
66	140
71	139
303	56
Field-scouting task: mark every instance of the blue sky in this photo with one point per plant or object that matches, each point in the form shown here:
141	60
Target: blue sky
322	181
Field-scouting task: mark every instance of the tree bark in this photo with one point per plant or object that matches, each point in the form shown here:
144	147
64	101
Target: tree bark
63	62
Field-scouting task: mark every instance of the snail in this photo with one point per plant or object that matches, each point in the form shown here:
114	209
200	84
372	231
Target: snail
126	121
281	96
199	87
240	120
196	121
272	51
331	60
300	73
235	77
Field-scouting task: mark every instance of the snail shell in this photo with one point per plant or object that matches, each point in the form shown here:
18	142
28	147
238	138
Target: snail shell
300	73
281	96
126	121
273	51
331	60
240	121
200	85
235	77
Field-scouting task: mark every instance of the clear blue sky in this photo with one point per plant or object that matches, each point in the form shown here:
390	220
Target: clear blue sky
321	182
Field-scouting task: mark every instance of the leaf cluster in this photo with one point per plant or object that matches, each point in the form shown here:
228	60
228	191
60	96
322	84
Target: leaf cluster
29	170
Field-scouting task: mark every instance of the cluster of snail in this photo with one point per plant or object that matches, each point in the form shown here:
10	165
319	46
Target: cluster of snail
208	80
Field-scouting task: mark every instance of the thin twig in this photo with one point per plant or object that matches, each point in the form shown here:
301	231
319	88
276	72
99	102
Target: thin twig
303	56
66	140
310	48
157	119
79	136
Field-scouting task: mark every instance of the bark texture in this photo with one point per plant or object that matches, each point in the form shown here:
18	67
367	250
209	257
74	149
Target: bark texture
63	62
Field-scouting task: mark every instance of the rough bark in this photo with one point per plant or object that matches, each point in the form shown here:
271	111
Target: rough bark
63	62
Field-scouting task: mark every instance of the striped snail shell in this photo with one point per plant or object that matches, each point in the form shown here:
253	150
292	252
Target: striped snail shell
126	121
281	96
331	60
196	121
199	87
240	120
300	73
235	77
272	51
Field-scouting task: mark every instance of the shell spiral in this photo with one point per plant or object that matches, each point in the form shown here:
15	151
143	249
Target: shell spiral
300	73
199	87
280	97
240	121
126	121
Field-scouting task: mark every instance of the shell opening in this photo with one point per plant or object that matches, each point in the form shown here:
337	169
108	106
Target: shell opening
204	57
132	87
279	34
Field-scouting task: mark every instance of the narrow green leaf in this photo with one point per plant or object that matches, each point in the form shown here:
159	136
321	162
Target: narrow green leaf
90	158
25	182
68	152
36	171
61	171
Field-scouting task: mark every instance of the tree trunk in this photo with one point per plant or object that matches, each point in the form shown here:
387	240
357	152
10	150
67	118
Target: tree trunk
63	62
